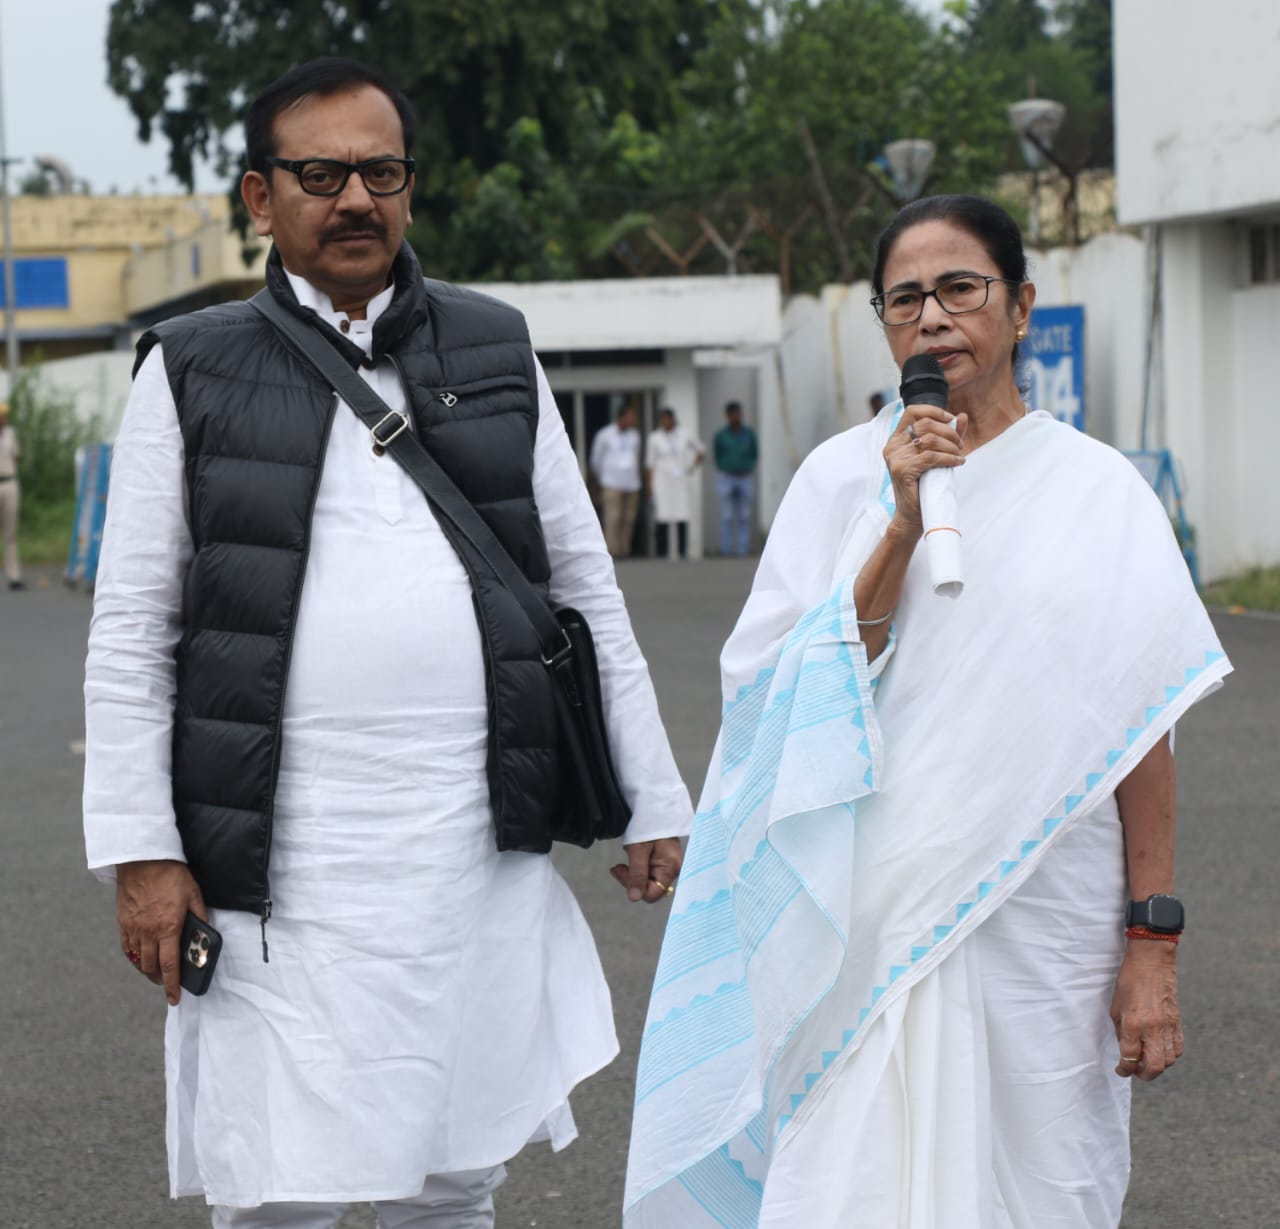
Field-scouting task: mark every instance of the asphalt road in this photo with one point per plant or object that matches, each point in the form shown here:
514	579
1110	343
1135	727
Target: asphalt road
81	1095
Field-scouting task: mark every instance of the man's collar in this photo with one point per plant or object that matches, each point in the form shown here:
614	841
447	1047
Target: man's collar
407	310
314	299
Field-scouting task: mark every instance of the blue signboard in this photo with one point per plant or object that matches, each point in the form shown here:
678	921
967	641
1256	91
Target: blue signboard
38	281
1053	356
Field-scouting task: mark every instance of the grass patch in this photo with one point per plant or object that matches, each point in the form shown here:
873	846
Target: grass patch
1256	589
45	532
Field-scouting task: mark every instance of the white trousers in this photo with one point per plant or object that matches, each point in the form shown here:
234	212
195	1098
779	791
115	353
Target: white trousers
447	1201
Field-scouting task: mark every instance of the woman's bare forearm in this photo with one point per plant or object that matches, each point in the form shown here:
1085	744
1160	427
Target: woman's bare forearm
1147	799
878	588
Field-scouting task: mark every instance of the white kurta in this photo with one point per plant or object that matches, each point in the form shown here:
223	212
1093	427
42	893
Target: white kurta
672	455
429	1003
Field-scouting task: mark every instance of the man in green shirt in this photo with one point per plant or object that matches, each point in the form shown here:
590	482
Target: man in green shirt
737	453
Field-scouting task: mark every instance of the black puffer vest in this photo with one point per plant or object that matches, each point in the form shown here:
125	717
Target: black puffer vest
255	422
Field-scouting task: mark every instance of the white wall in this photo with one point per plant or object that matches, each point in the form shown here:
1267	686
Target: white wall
1108	275
1197	107
98	385
644	313
1199	422
1254	334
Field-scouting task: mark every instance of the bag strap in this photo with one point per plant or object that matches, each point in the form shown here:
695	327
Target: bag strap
390	432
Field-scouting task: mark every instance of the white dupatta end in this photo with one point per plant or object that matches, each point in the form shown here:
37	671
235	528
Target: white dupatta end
759	925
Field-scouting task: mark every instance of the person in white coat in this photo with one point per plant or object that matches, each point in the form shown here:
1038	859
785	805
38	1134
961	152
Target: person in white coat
673	456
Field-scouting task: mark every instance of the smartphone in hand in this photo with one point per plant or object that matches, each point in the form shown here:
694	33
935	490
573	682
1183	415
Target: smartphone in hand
200	948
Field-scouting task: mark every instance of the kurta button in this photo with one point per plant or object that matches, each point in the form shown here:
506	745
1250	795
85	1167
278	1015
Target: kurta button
345	326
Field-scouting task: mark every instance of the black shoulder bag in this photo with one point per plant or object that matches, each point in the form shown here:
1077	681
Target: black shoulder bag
592	806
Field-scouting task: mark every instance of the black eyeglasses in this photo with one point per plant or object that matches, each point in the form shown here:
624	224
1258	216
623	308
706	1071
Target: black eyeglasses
327	177
965	292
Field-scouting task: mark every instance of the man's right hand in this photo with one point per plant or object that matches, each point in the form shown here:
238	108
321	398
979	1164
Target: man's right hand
152	900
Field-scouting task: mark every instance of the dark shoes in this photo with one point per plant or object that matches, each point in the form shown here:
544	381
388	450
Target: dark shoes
17	584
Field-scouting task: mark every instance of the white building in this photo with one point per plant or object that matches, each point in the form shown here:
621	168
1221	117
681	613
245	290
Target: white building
1198	162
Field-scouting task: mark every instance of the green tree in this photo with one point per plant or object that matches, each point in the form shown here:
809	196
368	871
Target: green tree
858	74
522	108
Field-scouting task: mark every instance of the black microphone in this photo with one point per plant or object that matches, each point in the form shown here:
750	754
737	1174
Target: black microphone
923	383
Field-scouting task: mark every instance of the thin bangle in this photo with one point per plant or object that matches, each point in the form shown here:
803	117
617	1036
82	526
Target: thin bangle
876	622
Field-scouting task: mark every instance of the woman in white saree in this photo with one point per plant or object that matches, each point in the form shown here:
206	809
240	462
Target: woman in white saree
896	989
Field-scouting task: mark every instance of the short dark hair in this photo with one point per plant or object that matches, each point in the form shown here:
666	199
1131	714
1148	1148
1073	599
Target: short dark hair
984	220
323	76
733	407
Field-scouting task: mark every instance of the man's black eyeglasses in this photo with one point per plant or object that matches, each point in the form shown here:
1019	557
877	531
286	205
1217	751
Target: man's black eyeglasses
327	177
965	292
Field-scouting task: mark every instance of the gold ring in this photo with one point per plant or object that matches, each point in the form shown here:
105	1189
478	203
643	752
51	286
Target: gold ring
1124	1058
667	888
133	957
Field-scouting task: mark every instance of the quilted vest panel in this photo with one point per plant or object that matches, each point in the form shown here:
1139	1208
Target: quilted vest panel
254	420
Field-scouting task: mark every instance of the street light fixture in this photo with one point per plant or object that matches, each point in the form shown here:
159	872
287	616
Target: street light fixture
909	162
1036	121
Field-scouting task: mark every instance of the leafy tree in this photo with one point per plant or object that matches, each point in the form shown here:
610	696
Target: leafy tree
552	136
520	106
858	74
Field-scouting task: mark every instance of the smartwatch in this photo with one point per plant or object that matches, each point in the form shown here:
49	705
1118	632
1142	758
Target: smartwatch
1162	915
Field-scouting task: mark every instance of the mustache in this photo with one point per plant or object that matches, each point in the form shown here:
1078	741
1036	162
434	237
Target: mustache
367	229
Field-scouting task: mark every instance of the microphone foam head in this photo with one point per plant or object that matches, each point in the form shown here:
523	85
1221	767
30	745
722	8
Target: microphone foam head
923	382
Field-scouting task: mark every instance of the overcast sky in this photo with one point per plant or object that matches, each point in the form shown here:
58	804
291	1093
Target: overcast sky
56	99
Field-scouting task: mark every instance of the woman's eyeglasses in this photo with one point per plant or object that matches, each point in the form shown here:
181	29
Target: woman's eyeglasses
965	292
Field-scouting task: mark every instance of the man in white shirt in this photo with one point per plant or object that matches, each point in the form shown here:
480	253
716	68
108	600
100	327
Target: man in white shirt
310	712
672	455
615	462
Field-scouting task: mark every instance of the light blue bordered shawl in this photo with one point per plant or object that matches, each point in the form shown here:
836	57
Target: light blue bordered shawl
759	998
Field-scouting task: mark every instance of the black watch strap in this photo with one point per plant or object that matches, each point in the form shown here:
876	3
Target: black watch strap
1160	913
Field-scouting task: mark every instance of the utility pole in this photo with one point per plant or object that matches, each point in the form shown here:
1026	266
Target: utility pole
10	319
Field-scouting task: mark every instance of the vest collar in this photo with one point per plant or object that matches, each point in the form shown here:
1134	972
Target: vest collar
408	311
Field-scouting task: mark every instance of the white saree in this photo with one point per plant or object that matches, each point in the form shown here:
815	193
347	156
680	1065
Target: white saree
882	997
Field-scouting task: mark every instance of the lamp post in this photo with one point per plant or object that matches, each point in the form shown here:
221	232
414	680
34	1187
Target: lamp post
909	162
1036	121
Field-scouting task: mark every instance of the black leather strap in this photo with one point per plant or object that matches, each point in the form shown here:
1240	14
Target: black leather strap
418	463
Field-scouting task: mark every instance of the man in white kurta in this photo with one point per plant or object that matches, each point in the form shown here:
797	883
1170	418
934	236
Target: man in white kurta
672	456
429	1002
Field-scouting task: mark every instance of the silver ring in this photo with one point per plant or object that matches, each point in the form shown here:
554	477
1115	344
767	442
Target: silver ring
911	432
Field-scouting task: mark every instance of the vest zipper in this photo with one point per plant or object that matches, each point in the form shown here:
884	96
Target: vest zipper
264	908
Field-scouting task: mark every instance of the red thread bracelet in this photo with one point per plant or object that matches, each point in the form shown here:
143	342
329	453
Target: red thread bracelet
1141	932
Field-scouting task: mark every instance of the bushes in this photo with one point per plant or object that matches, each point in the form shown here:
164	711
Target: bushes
49	431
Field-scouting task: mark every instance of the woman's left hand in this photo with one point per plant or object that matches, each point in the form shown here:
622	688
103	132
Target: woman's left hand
1145	1011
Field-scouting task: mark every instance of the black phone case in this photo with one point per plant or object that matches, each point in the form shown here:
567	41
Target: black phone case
200	947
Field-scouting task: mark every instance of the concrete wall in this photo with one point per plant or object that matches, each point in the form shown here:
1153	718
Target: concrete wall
1197	107
651	312
1221	401
96	384
1109	276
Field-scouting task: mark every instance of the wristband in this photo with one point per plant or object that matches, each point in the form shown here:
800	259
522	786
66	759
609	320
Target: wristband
1141	932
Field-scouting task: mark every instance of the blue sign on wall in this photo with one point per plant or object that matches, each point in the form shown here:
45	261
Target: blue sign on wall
1053	356
38	281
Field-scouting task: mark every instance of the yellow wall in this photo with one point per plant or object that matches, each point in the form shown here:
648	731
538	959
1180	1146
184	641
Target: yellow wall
125	255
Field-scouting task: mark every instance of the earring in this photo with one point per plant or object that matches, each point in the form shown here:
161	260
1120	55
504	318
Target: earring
1020	335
